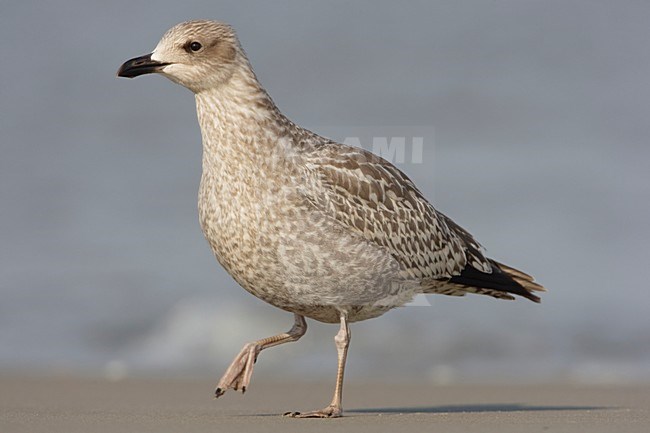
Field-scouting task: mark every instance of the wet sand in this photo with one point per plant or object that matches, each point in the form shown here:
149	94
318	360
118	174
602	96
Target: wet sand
70	405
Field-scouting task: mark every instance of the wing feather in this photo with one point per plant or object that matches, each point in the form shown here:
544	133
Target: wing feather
372	198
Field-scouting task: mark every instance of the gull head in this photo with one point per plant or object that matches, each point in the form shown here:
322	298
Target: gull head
199	55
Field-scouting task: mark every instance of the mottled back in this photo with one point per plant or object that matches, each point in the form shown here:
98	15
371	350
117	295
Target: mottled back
372	198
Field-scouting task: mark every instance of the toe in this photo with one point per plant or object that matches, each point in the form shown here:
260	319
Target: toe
328	412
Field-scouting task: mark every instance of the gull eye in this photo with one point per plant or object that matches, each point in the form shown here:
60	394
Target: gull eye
195	46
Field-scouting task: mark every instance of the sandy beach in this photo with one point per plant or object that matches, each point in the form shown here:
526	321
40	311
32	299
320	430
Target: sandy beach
68	404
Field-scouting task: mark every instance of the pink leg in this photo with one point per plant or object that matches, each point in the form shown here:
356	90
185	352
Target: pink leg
238	375
335	409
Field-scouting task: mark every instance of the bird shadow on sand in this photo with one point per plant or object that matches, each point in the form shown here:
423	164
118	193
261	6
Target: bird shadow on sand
472	408
463	408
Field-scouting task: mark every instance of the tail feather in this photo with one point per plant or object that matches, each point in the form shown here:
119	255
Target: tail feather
502	279
522	278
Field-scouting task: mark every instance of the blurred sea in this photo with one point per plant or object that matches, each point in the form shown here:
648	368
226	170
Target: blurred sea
534	120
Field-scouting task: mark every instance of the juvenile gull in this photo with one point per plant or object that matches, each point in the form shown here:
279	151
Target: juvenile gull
316	228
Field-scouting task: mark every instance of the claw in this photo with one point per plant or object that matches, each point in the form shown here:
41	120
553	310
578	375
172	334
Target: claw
328	412
239	373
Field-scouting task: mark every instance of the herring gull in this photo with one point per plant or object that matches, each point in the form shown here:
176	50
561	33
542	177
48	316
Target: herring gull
319	229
